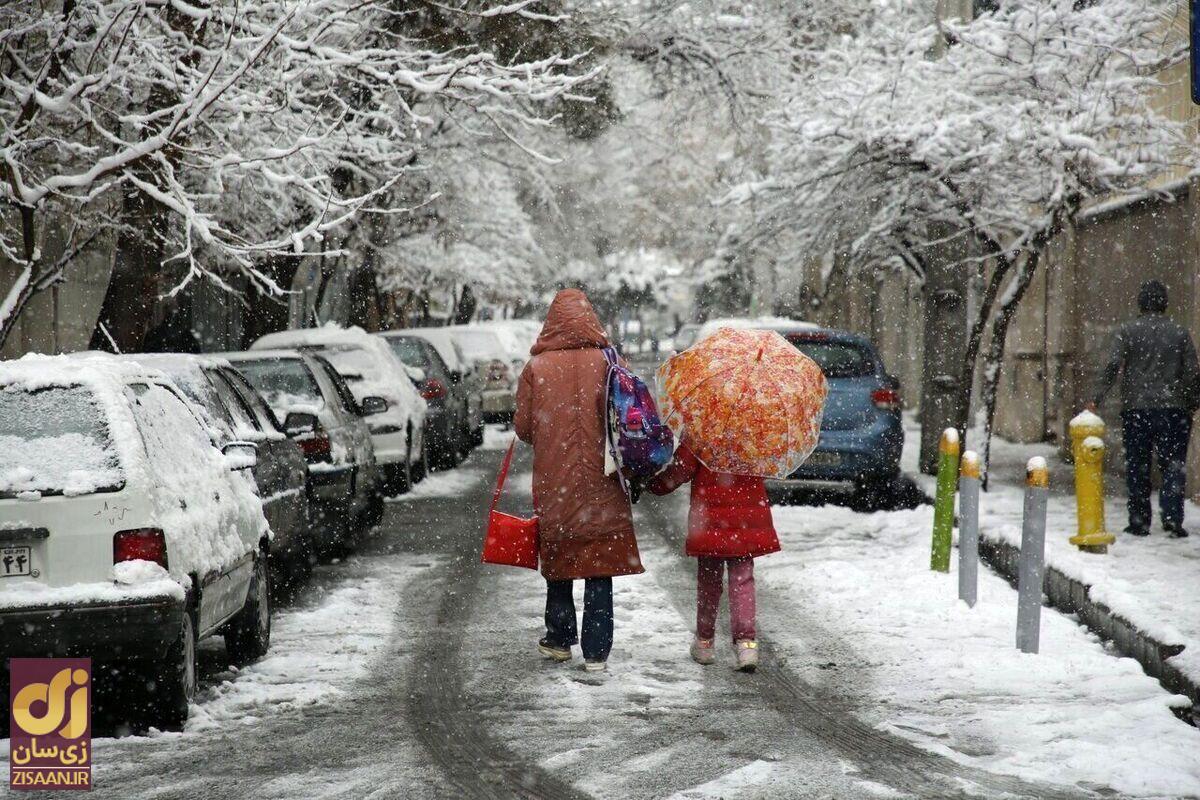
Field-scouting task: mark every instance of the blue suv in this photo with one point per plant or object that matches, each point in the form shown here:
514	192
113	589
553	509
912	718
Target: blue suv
861	434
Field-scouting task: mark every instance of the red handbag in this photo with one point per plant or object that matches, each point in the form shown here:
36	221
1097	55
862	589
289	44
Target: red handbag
511	541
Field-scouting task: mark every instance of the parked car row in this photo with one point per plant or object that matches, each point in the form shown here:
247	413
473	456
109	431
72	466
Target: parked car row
150	501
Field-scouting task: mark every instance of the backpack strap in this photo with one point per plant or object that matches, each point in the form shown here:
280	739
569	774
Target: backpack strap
610	437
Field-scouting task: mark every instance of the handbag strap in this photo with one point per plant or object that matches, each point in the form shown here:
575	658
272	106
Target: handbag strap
503	473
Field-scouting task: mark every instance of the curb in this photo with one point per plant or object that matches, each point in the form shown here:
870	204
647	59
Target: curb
1072	596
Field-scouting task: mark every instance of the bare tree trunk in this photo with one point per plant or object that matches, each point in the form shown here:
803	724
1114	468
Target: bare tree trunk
135	286
994	360
1008	309
944	382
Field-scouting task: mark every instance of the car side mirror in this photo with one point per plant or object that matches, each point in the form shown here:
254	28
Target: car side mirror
415	373
299	423
240	455
373	405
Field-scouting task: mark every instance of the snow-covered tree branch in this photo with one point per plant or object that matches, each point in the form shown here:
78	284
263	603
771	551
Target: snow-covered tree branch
989	149
247	129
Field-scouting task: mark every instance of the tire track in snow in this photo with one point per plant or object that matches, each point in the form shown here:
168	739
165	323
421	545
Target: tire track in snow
826	714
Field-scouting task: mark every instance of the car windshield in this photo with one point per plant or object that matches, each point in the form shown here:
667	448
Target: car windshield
284	382
56	441
409	351
836	359
477	344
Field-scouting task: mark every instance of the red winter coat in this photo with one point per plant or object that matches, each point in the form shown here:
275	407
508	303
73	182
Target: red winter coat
584	520
730	516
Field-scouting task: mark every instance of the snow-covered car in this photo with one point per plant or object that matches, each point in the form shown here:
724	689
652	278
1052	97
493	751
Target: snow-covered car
519	336
685	337
318	411
780	325
492	353
462	371
126	535
235	412
447	423
383	389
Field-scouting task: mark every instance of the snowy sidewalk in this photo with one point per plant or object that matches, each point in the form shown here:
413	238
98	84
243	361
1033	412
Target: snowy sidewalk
1153	584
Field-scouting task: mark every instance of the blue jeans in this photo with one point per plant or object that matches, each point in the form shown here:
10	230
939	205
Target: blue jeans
597	616
1165	432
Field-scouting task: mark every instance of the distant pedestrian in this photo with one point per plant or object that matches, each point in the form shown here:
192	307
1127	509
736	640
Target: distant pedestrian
729	524
1160	391
584	519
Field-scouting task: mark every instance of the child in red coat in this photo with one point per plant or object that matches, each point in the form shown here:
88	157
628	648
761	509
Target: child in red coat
729	524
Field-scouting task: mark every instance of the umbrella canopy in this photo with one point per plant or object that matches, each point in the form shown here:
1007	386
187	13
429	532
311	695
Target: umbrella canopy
750	402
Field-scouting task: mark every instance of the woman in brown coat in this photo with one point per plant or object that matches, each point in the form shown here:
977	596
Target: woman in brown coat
584	518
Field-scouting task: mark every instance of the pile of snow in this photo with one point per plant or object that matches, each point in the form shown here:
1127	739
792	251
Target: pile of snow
317	653
950	678
453	483
497	437
71	463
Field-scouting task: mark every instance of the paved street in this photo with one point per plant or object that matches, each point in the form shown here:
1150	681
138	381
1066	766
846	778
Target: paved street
455	703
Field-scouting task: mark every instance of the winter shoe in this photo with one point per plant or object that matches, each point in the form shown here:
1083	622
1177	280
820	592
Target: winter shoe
702	651
747	656
1137	530
595	666
554	652
1175	530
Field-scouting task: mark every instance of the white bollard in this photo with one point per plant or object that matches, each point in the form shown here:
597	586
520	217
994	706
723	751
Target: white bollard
968	528
1033	556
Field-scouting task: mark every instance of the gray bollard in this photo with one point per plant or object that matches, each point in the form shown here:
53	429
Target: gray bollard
1033	556
968	528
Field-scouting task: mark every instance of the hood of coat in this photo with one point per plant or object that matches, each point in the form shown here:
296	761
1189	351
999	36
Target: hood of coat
571	324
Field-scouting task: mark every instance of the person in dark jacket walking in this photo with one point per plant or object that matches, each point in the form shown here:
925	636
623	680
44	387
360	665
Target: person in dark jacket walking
1160	390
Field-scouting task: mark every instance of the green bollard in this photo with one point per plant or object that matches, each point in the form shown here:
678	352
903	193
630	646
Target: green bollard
943	505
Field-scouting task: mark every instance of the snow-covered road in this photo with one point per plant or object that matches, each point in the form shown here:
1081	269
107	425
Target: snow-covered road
408	671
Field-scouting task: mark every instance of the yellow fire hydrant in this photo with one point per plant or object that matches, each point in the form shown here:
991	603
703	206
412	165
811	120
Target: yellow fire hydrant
1087	445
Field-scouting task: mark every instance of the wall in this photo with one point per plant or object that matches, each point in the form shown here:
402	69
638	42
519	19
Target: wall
60	319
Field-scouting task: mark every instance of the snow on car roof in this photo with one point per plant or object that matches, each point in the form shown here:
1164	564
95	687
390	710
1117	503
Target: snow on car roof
389	378
755	323
260	355
440	338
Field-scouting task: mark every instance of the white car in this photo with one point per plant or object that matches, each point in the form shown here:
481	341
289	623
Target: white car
383	388
493	355
125	534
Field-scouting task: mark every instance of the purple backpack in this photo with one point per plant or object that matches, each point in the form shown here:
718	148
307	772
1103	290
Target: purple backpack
637	438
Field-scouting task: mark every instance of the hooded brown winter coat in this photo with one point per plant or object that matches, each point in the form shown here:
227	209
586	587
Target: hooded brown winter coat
583	516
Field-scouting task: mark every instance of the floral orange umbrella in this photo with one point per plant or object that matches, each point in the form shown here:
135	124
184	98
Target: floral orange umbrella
750	402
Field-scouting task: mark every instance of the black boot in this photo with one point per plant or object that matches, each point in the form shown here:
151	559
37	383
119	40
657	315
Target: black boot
1175	530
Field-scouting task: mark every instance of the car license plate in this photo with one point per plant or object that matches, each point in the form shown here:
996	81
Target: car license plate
14	561
824	460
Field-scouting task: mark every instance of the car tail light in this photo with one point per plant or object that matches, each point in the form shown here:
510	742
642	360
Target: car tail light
433	390
315	447
886	399
140	544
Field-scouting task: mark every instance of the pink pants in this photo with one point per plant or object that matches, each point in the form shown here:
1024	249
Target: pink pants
741	597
